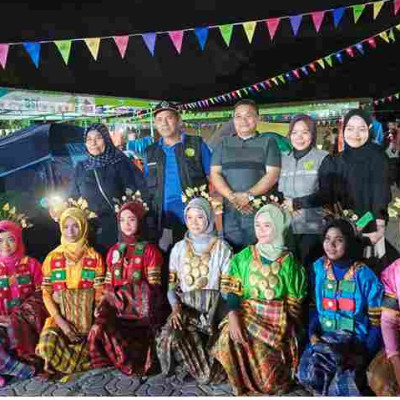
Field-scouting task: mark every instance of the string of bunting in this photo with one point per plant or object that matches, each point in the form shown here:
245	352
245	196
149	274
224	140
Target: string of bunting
390	98
387	36
201	33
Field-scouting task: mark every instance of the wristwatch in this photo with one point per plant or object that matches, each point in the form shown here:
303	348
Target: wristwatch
250	196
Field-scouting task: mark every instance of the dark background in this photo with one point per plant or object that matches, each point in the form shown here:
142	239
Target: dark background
196	74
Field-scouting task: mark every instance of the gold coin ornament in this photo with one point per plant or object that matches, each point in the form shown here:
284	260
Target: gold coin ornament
195	262
266	270
254	293
275	267
187	260
253	280
269	294
204	270
196	272
263	285
201	282
273	281
187	268
189	280
205	259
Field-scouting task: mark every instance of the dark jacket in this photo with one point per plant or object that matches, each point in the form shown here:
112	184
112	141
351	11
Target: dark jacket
114	179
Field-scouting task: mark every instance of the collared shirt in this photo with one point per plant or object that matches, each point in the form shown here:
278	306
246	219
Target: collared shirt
172	203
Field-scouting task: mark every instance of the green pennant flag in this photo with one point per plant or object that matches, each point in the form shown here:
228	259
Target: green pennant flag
398	27
226	33
211	101
249	28
328	60
357	11
281	78
397	95
275	81
321	63
377	8
391	35
384	36
64	47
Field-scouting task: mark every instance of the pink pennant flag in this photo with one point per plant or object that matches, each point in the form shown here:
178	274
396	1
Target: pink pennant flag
396	6
296	73
122	44
372	43
3	54
317	17
176	38
272	25
350	51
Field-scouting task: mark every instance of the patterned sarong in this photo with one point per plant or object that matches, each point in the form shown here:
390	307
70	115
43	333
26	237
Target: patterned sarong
331	366
191	347
266	362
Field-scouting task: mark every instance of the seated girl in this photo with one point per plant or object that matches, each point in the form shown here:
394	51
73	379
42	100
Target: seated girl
384	371
344	331
265	287
196	265
73	276
124	331
22	312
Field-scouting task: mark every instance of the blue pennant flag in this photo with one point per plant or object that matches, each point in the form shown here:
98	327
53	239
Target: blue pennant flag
339	57
295	21
305	70
33	50
202	34
337	15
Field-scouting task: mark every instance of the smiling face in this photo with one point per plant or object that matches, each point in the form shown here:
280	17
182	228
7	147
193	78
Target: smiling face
301	137
71	230
196	221
8	244
356	132
264	230
167	123
128	223
334	244
245	120
95	143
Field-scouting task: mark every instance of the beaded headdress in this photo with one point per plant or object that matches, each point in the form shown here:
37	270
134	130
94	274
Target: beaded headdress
10	213
57	206
129	197
201	191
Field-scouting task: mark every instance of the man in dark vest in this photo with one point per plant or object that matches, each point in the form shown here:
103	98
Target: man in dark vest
172	164
244	166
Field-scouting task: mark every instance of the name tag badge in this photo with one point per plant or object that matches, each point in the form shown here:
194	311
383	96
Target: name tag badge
151	164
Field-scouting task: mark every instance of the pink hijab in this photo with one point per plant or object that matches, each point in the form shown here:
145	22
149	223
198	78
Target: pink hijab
16	232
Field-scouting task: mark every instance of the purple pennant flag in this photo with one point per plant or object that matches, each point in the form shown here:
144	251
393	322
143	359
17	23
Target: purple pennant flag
360	48
150	41
337	15
305	70
295	21
33	50
202	34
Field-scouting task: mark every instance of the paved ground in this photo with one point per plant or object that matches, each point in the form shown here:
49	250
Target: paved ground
110	382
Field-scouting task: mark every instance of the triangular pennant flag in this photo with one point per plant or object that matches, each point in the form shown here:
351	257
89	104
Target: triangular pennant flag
272	25
239	93
296	73
317	18
357	11
122	44
176	38
337	15
321	63
245	91
268	82
3	54
376	102
295	21
93	44
305	70
350	51
275	81
360	48
391	35
390	98
249	28
328	60
202	34
33	49
312	66
398	27
263	85
339	57
396	6
150	41
281	78
384	36
397	95
288	76
64	47
371	42
226	33
377	8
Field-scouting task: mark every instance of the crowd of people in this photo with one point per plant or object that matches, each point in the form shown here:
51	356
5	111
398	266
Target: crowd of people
295	287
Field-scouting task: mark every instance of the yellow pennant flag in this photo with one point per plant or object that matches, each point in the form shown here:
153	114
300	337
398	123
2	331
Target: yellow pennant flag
321	63
249	28
93	44
377	8
275	81
384	36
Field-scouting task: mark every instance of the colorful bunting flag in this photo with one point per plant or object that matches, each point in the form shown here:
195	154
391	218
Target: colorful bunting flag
391	35
328	60
176	38
202	35
33	49
350	51
312	66
272	25
150	41
357	11
64	47
317	18
305	70
93	45
360	48
384	36
122	44
372	43
295	21
4	54
249	28
296	73
226	33
396	6
377	8
339	57
321	63
281	78
275	81
337	15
